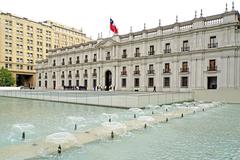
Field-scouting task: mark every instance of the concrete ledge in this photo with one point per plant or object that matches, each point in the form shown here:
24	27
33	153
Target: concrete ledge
226	95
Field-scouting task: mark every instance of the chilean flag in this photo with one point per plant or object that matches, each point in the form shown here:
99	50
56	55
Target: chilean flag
113	27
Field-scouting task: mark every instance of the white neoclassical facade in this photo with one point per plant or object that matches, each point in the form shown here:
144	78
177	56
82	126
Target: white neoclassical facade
203	53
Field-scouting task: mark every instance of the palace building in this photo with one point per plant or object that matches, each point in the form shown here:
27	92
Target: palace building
202	53
23	41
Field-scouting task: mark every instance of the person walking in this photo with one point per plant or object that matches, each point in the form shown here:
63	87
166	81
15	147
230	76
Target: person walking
154	88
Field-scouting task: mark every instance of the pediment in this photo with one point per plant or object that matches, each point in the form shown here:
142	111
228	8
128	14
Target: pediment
107	43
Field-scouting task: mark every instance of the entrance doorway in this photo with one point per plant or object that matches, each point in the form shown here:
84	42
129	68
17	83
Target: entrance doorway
24	80
54	84
108	80
212	82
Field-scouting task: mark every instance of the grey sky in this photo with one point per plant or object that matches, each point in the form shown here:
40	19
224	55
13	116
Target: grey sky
93	15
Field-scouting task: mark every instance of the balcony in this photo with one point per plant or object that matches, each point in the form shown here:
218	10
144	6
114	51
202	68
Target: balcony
77	75
54	64
77	62
124	56
185	49
94	59
150	53
124	73
53	76
85	75
167	50
70	62
39	77
108	58
94	74
85	60
212	68
45	77
136	72
69	76
166	70
212	45
137	54
63	63
62	76
151	71
184	70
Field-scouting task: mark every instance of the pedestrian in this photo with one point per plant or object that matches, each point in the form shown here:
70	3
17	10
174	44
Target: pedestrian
154	88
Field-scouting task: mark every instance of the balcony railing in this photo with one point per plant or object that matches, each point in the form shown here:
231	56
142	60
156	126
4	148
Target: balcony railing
85	75
151	71
69	76
184	70
124	73
77	61
212	45
85	60
94	74
53	76
124	56
166	70
108	58
137	54
94	59
136	72
212	68
45	77
184	49
62	76
151	53
167	50
54	64
77	75
63	63
39	77
70	62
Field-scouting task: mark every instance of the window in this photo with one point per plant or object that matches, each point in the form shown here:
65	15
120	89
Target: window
39	84
184	67
212	82
151	52
137	52
185	46
86	59
124	70
124	82
212	65
124	55
136	82
94	57
77	61
70	60
54	62
69	74
63	83
166	68
62	75
166	82
77	74
70	83
151	70
108	56
150	82
63	61
184	82
167	48
213	42
136	71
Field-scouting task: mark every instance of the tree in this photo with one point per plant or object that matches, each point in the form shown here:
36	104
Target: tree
6	78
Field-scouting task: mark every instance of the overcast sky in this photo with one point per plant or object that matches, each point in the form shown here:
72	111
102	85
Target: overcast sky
93	15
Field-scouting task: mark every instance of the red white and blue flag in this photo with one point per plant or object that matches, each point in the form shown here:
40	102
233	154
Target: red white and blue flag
113	27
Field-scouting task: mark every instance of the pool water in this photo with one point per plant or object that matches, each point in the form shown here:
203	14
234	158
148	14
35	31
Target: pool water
214	134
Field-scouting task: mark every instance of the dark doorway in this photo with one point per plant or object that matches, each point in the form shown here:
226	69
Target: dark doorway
24	80
85	83
212	82
108	79
54	84
94	83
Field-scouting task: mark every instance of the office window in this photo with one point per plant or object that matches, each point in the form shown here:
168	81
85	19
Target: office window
166	82
184	82
150	82
136	82
124	82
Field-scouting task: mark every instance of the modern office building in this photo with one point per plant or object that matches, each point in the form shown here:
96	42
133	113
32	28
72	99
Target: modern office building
23	41
202	53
